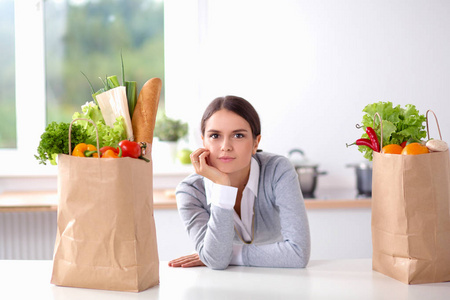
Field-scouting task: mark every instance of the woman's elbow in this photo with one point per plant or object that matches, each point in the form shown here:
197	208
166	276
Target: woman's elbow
218	266
303	263
302	255
215	263
298	262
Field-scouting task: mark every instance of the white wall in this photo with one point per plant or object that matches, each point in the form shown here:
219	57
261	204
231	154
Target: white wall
309	67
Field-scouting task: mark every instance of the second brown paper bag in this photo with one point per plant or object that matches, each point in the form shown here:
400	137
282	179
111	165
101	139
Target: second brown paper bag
411	216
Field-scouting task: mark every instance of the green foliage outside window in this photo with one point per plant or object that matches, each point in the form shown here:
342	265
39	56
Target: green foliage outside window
7	76
169	130
89	37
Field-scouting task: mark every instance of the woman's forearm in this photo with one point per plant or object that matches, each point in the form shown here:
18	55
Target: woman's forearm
284	254
216	248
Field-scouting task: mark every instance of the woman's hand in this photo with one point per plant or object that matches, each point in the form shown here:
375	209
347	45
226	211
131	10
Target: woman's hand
187	261
200	161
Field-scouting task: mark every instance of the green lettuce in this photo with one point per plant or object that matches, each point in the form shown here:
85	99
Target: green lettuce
108	136
399	124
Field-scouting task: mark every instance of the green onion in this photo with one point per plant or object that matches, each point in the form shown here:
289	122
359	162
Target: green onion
130	88
123	69
110	82
105	83
131	95
93	93
113	82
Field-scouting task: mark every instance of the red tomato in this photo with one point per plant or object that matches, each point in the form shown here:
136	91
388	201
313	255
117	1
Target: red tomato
130	149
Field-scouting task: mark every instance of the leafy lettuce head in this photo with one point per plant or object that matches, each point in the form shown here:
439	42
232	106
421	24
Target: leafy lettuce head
108	136
399	124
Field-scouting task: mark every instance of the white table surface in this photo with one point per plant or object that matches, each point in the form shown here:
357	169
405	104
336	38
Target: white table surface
332	279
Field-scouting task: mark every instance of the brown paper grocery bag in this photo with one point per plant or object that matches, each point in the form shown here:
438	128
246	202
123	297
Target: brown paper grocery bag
106	237
411	216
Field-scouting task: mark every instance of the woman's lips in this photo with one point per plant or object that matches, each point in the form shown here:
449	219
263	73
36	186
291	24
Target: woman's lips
226	159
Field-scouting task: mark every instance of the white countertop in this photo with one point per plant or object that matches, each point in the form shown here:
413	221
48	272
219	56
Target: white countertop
332	279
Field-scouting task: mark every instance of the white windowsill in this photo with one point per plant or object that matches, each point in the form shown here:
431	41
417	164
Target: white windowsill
165	176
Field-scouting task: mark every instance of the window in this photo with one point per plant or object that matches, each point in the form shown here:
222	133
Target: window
7	76
45	47
89	36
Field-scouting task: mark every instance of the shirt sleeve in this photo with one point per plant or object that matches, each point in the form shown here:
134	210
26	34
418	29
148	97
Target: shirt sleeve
210	227
236	258
294	249
222	195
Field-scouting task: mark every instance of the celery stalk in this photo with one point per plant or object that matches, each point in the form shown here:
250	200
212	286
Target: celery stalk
131	95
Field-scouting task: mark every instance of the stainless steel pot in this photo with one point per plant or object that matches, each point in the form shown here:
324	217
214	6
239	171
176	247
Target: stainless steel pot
307	172
363	178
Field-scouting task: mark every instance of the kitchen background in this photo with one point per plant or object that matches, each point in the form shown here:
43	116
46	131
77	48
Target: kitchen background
309	68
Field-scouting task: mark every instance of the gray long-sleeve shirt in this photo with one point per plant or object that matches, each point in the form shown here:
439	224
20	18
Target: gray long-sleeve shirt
281	230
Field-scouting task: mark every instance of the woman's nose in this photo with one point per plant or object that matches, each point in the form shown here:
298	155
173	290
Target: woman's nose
226	145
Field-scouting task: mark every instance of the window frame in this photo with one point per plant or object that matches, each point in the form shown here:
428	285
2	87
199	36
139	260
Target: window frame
30	64
30	99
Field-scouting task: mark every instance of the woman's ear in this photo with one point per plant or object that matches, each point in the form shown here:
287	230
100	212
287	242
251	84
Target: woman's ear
256	143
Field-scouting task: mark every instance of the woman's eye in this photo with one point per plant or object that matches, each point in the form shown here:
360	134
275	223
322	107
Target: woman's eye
239	135
214	136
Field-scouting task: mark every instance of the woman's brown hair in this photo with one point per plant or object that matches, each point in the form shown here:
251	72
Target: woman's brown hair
235	104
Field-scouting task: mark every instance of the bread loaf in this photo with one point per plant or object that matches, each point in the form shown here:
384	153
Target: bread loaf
144	116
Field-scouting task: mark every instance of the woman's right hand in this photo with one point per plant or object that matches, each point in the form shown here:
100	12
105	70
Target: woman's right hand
187	261
200	161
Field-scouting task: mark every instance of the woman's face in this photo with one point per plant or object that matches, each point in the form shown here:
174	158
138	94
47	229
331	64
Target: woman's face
229	139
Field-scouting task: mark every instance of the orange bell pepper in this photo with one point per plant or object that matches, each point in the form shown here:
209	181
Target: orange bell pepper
85	150
112	154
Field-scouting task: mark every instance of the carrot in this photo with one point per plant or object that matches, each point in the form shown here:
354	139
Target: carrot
144	115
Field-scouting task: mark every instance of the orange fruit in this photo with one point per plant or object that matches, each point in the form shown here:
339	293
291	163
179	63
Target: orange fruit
414	149
392	149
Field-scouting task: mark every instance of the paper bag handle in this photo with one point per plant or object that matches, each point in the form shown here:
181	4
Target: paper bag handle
437	123
70	134
381	128
428	128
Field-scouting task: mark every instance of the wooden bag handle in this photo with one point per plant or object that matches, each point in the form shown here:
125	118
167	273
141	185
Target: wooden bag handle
70	135
437	123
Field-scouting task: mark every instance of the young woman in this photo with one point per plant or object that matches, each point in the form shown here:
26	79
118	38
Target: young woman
241	207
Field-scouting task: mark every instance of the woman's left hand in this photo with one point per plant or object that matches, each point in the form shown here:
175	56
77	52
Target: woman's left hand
200	161
187	261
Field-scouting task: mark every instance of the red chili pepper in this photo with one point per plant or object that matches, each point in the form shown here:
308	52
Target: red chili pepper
130	149
365	142
373	139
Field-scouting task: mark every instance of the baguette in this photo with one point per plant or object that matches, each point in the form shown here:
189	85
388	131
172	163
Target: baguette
144	116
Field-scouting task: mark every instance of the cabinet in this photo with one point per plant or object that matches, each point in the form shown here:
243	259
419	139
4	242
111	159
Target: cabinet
339	228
